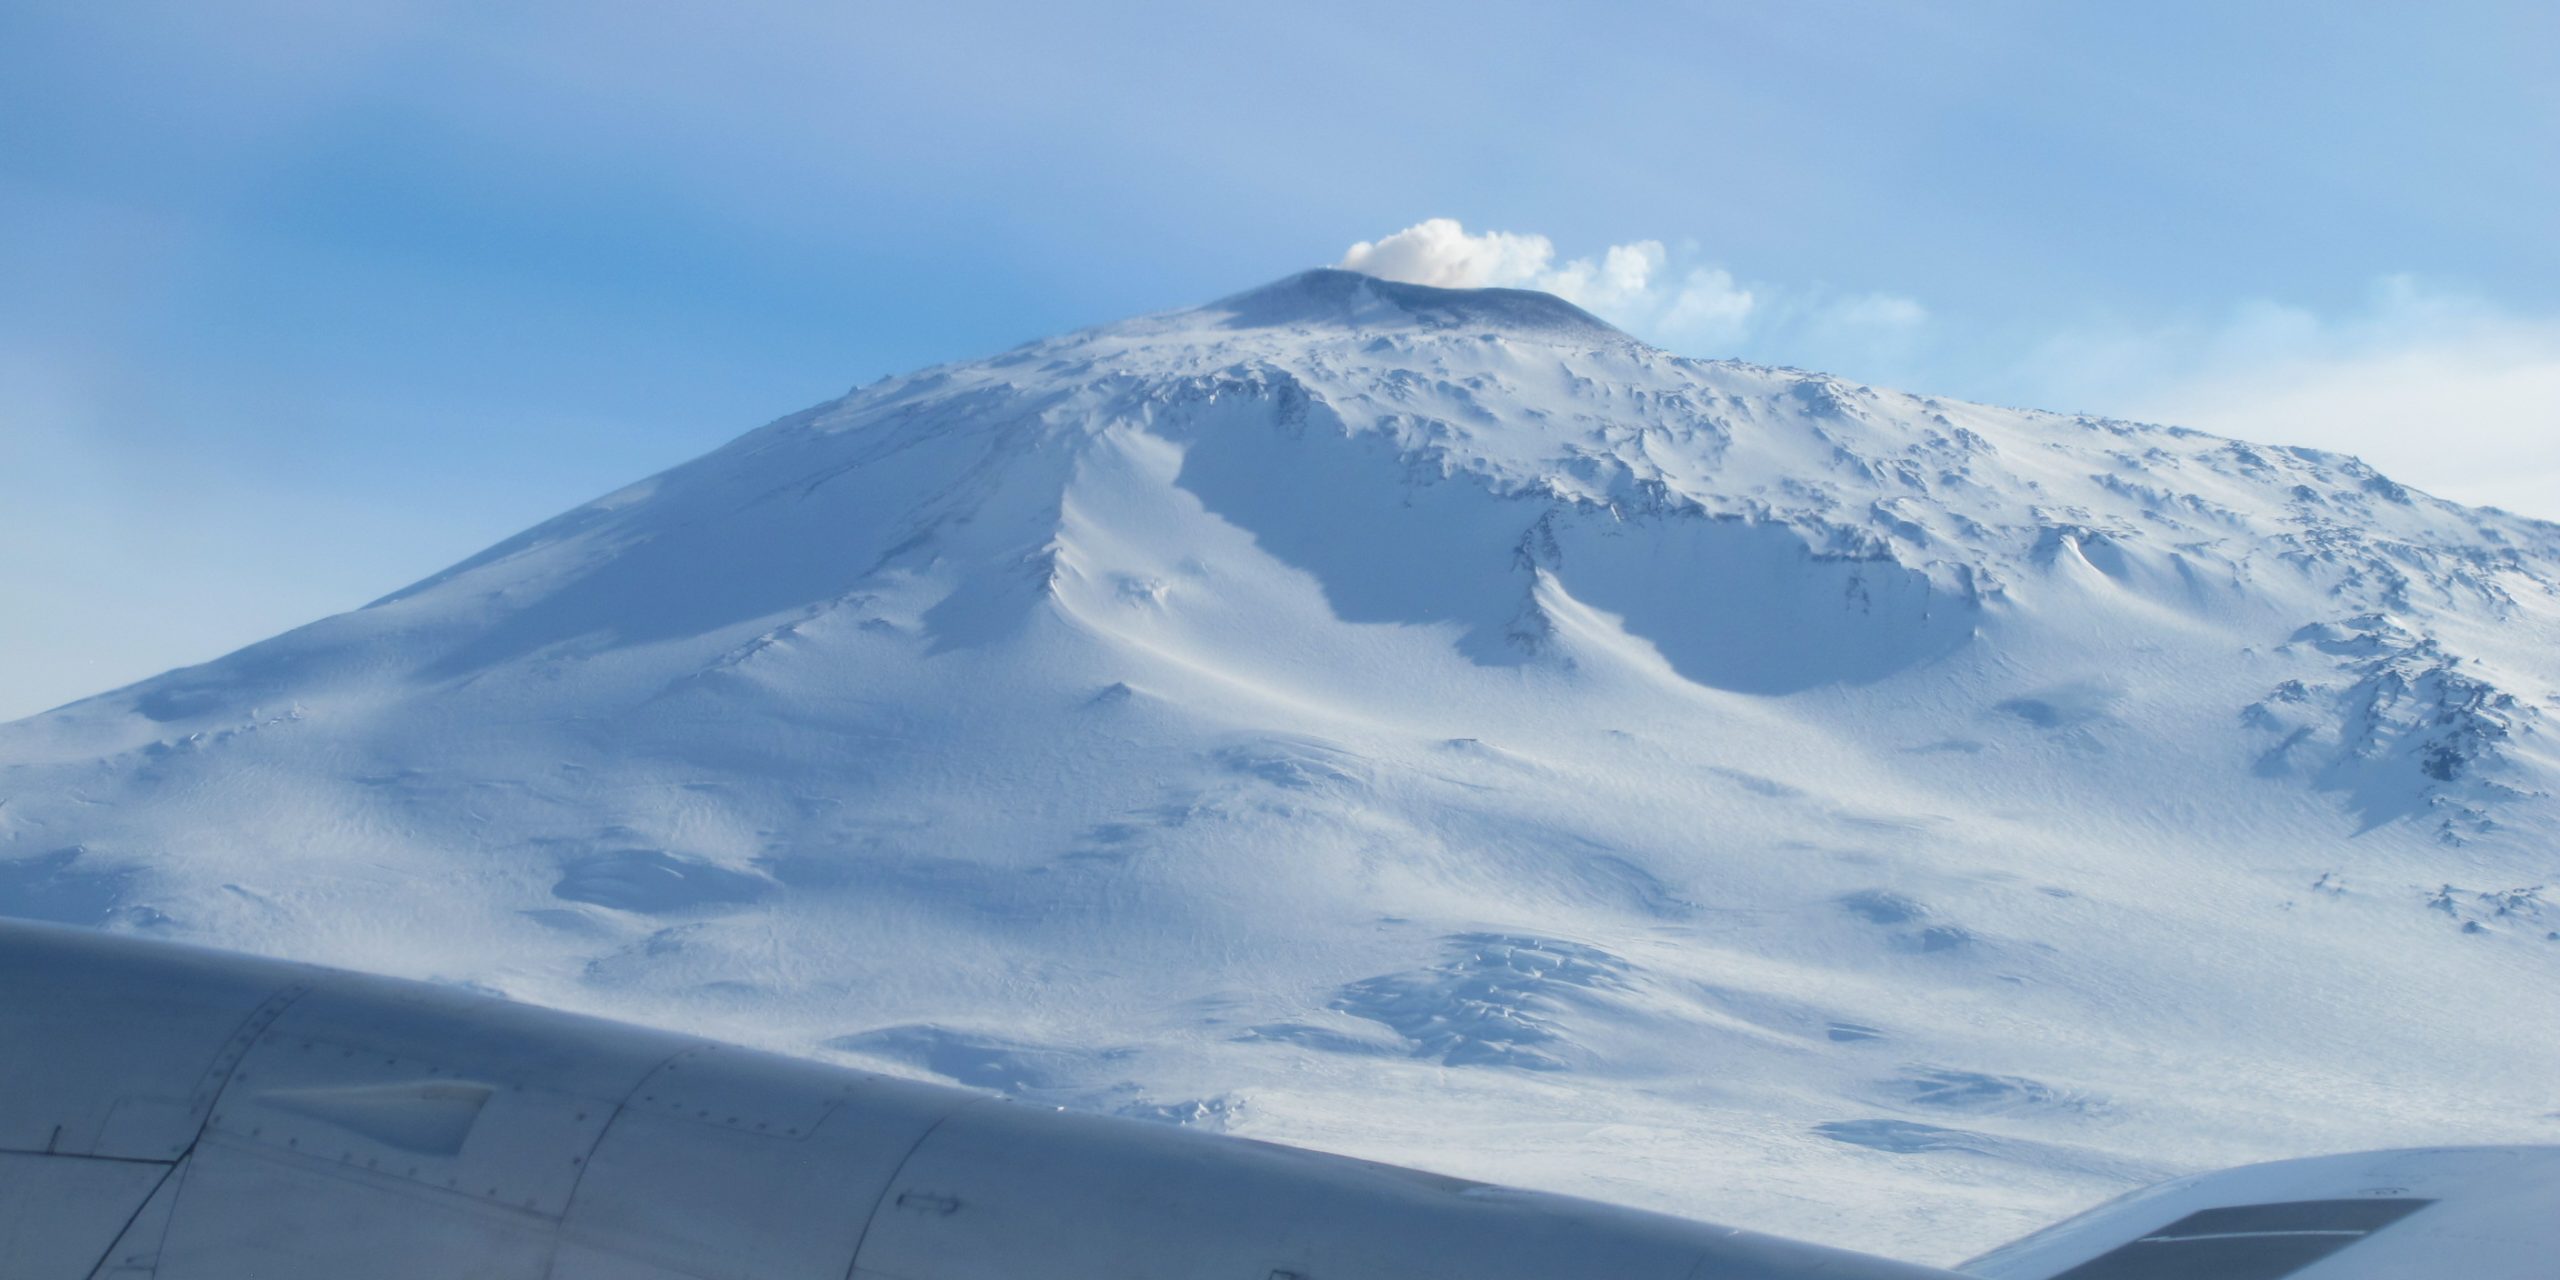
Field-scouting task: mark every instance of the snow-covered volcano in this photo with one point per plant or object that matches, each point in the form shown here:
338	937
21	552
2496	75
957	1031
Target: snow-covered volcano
1431	724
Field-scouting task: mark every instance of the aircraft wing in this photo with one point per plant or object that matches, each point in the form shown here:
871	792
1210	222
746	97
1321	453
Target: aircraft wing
2480	1213
172	1113
182	1114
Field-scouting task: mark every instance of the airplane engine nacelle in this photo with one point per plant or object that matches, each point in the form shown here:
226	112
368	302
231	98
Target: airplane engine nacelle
182	1114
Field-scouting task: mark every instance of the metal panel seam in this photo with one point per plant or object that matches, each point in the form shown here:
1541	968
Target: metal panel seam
569	1202
211	1086
252	1029
108	1254
890	1187
82	1155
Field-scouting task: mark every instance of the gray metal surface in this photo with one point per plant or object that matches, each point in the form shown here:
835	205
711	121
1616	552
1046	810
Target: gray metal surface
180	1114
2481	1213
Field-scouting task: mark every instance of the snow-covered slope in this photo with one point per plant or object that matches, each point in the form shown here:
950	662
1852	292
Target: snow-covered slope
1434	725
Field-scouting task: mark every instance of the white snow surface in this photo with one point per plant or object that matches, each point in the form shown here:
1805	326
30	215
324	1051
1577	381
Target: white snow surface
1433	726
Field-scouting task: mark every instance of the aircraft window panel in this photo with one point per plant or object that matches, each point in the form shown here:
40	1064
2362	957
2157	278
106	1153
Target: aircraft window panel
2361	1216
2247	1242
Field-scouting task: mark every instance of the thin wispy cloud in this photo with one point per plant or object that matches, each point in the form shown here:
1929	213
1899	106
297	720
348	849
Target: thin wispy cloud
490	222
2438	387
2435	386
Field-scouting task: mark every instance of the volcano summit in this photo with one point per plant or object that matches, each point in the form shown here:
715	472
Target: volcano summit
1434	725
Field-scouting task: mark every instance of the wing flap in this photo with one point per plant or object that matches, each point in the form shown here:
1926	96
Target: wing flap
2490	1213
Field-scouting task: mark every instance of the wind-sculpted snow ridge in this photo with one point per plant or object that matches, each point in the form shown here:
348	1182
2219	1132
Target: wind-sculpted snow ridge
1497	1004
2405	728
1433	725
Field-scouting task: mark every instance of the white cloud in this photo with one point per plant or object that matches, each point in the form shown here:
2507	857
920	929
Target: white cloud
1644	287
1439	251
1626	284
1708	301
2437	388
2476	424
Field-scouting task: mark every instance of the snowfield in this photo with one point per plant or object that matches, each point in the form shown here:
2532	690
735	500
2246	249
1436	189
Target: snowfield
1433	726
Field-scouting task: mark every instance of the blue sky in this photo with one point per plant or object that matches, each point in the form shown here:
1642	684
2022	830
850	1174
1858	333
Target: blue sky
299	302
